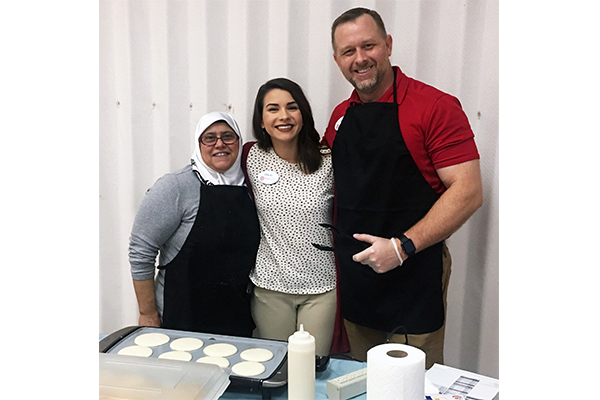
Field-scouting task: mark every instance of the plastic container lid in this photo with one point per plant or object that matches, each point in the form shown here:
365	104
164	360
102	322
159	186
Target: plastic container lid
136	378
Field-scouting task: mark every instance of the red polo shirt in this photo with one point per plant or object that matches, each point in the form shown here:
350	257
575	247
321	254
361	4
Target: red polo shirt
433	125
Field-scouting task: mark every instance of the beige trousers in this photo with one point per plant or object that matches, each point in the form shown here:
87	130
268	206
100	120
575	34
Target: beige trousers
278	315
362	339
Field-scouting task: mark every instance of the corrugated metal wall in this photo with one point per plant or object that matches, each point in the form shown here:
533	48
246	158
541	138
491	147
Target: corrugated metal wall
164	63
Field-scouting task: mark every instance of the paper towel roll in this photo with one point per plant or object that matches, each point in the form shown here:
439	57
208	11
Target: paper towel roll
395	372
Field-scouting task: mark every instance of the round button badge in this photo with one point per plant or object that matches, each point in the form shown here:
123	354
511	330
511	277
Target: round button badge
268	177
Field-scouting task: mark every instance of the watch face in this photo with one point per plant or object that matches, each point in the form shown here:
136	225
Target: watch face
408	246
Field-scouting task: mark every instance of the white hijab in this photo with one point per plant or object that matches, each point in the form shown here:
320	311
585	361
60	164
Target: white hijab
234	175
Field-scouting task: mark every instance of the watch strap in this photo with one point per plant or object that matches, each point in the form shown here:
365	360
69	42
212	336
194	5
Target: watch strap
407	245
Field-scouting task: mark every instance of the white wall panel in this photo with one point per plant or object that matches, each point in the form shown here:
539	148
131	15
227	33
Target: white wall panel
197	63
118	196
165	63
237	68
320	60
278	33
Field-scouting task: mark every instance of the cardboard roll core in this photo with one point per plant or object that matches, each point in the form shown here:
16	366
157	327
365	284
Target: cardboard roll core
397	353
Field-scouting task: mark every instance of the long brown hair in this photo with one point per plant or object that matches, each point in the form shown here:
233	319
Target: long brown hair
309	154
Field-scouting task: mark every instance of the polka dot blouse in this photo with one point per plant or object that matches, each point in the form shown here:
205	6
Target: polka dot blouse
290	205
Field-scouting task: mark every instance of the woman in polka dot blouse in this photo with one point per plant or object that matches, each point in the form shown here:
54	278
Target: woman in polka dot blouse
291	178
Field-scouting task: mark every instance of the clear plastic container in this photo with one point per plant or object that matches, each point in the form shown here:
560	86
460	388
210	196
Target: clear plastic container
139	378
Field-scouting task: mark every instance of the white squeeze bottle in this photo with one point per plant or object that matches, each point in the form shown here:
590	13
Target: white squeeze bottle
301	366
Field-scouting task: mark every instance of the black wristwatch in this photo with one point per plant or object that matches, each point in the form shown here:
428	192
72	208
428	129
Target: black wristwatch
407	246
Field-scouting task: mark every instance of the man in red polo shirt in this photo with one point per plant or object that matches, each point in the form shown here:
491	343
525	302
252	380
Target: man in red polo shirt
407	176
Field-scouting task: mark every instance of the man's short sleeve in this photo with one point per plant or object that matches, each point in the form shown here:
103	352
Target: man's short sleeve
449	139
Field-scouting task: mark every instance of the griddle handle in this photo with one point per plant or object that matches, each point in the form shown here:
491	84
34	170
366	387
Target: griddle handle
280	377
115	337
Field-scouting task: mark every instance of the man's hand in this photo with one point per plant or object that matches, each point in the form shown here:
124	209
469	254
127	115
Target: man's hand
380	256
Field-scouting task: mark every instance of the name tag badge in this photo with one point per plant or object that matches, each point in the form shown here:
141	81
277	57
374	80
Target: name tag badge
338	123
268	177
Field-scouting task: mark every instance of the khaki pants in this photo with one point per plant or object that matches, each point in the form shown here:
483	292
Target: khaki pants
278	315
362	339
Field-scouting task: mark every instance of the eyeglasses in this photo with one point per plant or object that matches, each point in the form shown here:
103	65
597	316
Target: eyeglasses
211	139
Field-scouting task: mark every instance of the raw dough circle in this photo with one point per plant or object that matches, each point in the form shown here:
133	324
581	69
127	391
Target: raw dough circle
257	354
248	368
186	344
220	361
220	350
151	339
176	355
138	351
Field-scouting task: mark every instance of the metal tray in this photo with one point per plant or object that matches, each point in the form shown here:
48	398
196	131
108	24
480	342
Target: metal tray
275	374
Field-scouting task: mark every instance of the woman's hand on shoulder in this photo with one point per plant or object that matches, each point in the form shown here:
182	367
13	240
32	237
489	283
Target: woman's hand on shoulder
324	149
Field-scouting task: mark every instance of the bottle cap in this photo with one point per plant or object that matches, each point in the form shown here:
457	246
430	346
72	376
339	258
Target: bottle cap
301	337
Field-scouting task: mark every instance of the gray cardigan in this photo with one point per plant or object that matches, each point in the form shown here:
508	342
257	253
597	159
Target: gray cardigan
162	224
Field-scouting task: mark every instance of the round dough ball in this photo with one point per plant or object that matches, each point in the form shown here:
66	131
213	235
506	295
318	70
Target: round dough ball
220	350
151	339
186	344
135	350
220	361
257	354
248	368
176	355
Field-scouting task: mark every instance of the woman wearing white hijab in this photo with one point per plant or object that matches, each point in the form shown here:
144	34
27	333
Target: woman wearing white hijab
202	223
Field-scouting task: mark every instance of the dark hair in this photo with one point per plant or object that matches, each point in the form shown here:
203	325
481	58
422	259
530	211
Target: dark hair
309	154
353	14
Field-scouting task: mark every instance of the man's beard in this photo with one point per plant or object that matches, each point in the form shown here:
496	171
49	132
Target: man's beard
367	86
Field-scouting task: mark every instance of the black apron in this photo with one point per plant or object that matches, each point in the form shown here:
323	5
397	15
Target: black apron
380	191
207	285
